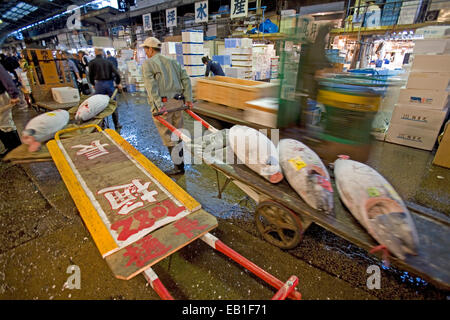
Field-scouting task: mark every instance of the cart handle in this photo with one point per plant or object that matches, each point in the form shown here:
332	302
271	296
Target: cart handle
57	134
203	122
159	113
173	129
114	94
286	289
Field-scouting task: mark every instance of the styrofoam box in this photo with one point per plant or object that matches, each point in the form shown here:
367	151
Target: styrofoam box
190	59
412	136
246	43
65	94
179	59
192	36
178	48
192	48
241	63
434	99
195	70
428	80
433	31
237	51
168	48
431	63
131	64
419	117
431	46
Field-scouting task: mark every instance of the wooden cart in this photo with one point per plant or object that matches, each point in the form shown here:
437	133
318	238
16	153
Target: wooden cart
137	215
282	216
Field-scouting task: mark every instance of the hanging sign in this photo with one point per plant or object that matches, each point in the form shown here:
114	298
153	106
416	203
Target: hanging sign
201	11
239	8
171	17
147	20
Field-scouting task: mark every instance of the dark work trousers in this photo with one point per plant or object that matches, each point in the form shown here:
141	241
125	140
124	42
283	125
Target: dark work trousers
107	87
10	139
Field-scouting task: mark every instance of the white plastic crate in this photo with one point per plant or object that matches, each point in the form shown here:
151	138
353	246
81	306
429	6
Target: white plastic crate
193	48
195	70
190	59
65	94
192	36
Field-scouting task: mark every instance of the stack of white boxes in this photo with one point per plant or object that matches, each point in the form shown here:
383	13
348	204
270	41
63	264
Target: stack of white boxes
193	52
179	52
240	51
122	59
168	49
274	63
134	78
422	106
262	61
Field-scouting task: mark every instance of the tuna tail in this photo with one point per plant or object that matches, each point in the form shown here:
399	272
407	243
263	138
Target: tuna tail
272	161
396	232
28	132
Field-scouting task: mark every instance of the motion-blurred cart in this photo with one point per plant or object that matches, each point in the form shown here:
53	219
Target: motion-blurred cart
282	217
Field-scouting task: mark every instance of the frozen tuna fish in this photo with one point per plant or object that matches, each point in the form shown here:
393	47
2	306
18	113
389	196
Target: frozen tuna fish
91	107
256	151
377	206
43	128
306	174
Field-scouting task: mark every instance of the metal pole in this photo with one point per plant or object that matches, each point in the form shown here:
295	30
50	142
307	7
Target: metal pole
203	122
260	273
157	285
287	288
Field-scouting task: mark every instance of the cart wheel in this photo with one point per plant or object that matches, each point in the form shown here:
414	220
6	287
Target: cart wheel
278	225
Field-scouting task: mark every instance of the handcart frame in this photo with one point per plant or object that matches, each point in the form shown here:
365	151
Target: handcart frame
80	192
280	206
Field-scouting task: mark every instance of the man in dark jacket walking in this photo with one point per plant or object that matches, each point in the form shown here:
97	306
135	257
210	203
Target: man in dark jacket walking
102	75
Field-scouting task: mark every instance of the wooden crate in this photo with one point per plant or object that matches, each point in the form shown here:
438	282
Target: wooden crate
233	92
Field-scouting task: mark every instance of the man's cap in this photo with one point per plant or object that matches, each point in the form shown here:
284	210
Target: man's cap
151	42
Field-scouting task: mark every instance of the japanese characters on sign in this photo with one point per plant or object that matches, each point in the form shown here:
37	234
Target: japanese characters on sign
145	219
150	247
126	198
171	17
92	151
147	20
201	11
239	8
145	252
130	204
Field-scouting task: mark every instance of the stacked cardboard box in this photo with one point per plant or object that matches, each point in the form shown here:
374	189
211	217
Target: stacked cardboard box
240	51
193	51
262	61
124	58
179	52
223	60
134	78
274	63
422	106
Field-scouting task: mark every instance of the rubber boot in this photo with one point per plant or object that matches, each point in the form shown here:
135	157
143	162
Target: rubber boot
178	168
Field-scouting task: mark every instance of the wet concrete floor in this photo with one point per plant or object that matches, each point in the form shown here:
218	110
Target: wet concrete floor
42	234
